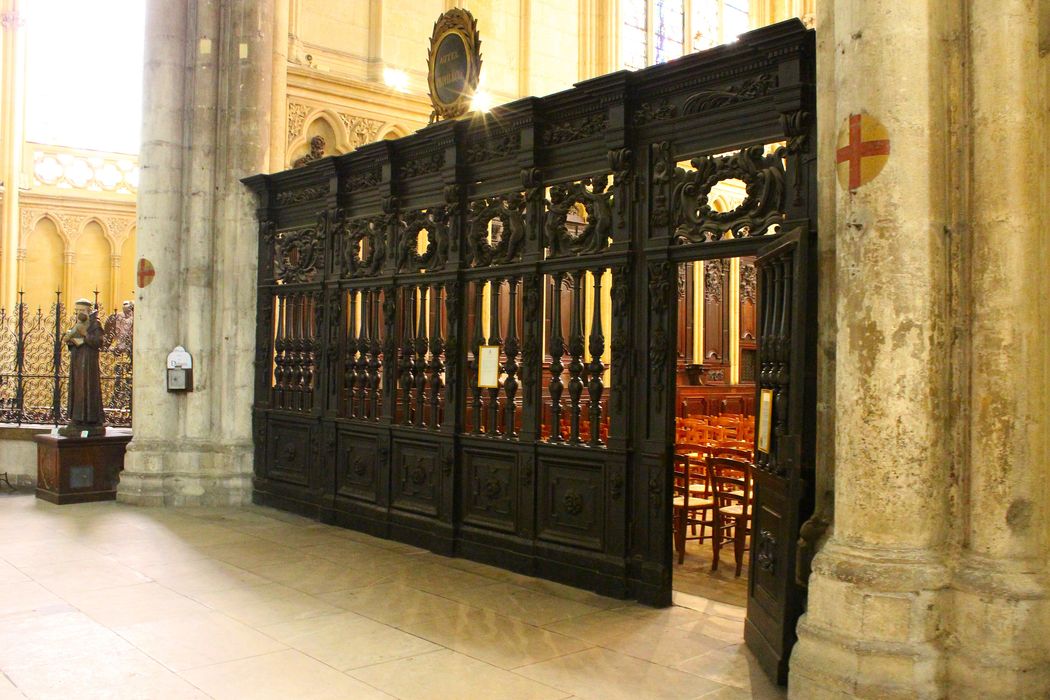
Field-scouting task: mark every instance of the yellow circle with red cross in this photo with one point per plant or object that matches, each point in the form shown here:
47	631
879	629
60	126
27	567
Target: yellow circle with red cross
863	149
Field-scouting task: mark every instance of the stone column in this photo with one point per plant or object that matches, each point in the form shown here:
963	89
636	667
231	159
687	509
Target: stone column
12	79
245	116
873	626
158	324
279	86
69	258
208	95
1001	616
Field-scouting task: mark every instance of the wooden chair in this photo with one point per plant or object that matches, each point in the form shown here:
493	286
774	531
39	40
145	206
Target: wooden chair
690	509
731	491
744	455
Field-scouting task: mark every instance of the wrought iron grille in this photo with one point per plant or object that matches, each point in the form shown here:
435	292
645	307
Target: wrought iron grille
34	364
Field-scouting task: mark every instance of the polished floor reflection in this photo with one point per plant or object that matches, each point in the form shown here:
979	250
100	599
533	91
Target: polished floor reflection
105	600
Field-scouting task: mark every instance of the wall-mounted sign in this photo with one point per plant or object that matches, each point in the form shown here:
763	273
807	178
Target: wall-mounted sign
454	64
179	370
765	419
488	367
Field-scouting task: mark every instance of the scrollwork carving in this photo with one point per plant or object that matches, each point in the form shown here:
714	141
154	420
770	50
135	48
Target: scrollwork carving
363	246
734	94
596	197
302	194
507	239
298	254
574	129
433	221
763	174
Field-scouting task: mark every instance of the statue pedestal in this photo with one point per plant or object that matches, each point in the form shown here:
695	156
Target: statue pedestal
80	469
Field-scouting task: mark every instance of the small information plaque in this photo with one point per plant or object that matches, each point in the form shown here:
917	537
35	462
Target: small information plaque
488	367
765	419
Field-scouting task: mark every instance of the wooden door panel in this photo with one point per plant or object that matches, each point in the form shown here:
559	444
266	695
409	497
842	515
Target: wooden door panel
783	470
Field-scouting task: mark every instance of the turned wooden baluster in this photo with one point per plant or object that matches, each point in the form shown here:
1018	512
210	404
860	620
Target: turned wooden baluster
278	356
374	363
782	377
494	339
408	298
420	364
556	349
596	368
479	340
295	343
349	376
511	347
364	309
576	356
437	347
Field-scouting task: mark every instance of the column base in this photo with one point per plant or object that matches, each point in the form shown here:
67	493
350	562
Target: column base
185	473
999	642
873	626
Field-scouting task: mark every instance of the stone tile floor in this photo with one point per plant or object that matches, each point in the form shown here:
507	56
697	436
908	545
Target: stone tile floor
112	601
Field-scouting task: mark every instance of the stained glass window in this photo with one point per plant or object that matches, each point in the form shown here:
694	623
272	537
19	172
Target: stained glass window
668	20
654	31
634	34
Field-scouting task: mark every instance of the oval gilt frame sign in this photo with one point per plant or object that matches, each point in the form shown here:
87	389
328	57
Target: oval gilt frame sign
454	64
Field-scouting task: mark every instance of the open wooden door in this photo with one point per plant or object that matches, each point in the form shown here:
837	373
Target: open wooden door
785	443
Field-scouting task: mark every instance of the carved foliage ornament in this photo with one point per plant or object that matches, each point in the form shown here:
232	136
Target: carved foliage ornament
497	230
453	64
363	246
433	223
298	253
574	129
302	194
696	220
733	94
593	237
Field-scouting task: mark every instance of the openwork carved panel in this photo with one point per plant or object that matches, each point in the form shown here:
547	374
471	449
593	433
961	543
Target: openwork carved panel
496	230
362	246
423	240
696	220
298	254
570	231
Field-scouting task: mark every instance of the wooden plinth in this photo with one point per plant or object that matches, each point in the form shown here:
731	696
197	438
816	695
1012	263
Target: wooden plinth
79	470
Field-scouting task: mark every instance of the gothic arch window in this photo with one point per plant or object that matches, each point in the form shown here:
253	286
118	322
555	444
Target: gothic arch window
655	31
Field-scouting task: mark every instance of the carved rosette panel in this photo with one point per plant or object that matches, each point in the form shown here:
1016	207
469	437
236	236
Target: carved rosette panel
572	505
417	479
594	235
434	224
362	246
496	230
694	218
489	491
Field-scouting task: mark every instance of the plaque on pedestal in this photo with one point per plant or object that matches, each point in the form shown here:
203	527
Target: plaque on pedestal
80	469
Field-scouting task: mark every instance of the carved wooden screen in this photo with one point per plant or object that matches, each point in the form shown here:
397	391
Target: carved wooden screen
550	231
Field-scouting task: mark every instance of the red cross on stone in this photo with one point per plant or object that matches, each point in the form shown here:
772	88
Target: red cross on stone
857	150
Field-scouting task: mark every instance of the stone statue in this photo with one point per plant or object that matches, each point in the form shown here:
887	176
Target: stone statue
119	330
316	152
85	386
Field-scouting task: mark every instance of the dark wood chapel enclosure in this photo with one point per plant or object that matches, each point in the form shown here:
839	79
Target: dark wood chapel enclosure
551	228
